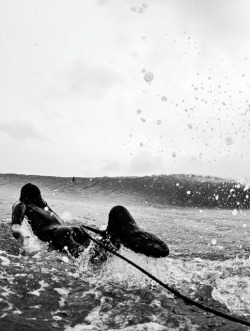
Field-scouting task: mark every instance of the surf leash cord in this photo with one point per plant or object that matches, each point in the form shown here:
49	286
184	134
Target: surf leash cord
167	287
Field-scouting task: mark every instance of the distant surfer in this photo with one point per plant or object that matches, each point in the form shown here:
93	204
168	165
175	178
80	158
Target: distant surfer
73	179
48	227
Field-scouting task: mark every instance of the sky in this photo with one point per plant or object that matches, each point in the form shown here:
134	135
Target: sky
125	88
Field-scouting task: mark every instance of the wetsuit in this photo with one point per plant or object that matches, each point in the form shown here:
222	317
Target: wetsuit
47	226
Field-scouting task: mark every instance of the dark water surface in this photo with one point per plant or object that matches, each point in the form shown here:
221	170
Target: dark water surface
45	290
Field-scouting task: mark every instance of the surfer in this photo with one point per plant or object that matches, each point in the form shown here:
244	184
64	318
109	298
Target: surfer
45	223
123	230
48	227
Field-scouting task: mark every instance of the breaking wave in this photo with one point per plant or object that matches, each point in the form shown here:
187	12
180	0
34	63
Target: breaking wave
179	190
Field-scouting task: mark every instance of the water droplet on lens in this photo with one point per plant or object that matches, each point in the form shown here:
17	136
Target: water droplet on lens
148	77
234	212
213	241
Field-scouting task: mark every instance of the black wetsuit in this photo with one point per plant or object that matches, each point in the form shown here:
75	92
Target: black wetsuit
47	226
121	229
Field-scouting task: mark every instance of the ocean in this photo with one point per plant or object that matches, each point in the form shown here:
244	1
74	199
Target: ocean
204	220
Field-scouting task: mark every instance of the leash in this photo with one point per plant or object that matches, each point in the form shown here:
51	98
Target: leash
167	287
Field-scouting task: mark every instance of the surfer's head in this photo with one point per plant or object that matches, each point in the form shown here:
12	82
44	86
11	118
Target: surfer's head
120	220
30	193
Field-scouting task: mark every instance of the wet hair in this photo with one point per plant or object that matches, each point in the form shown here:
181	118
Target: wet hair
30	193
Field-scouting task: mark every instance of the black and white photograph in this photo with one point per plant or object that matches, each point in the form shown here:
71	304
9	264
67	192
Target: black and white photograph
125	165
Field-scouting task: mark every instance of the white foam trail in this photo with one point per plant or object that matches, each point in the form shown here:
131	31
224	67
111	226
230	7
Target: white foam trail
187	276
94	315
43	286
64	294
151	326
5	260
81	327
234	292
30	243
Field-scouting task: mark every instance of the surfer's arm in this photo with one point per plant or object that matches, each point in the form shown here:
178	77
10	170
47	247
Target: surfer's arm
18	213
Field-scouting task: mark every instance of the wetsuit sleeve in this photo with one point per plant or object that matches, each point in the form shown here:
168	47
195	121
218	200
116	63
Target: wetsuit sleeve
18	213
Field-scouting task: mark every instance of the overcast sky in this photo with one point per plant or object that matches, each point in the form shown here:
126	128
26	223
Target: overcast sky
118	87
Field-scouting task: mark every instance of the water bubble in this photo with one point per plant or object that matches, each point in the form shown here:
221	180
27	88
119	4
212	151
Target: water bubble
189	126
177	184
148	77
138	10
143	119
234	212
188	192
229	140
213	242
158	122
141	144
246	187
164	99
174	154
65	258
138	111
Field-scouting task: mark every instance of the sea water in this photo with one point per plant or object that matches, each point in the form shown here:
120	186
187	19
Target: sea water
46	290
